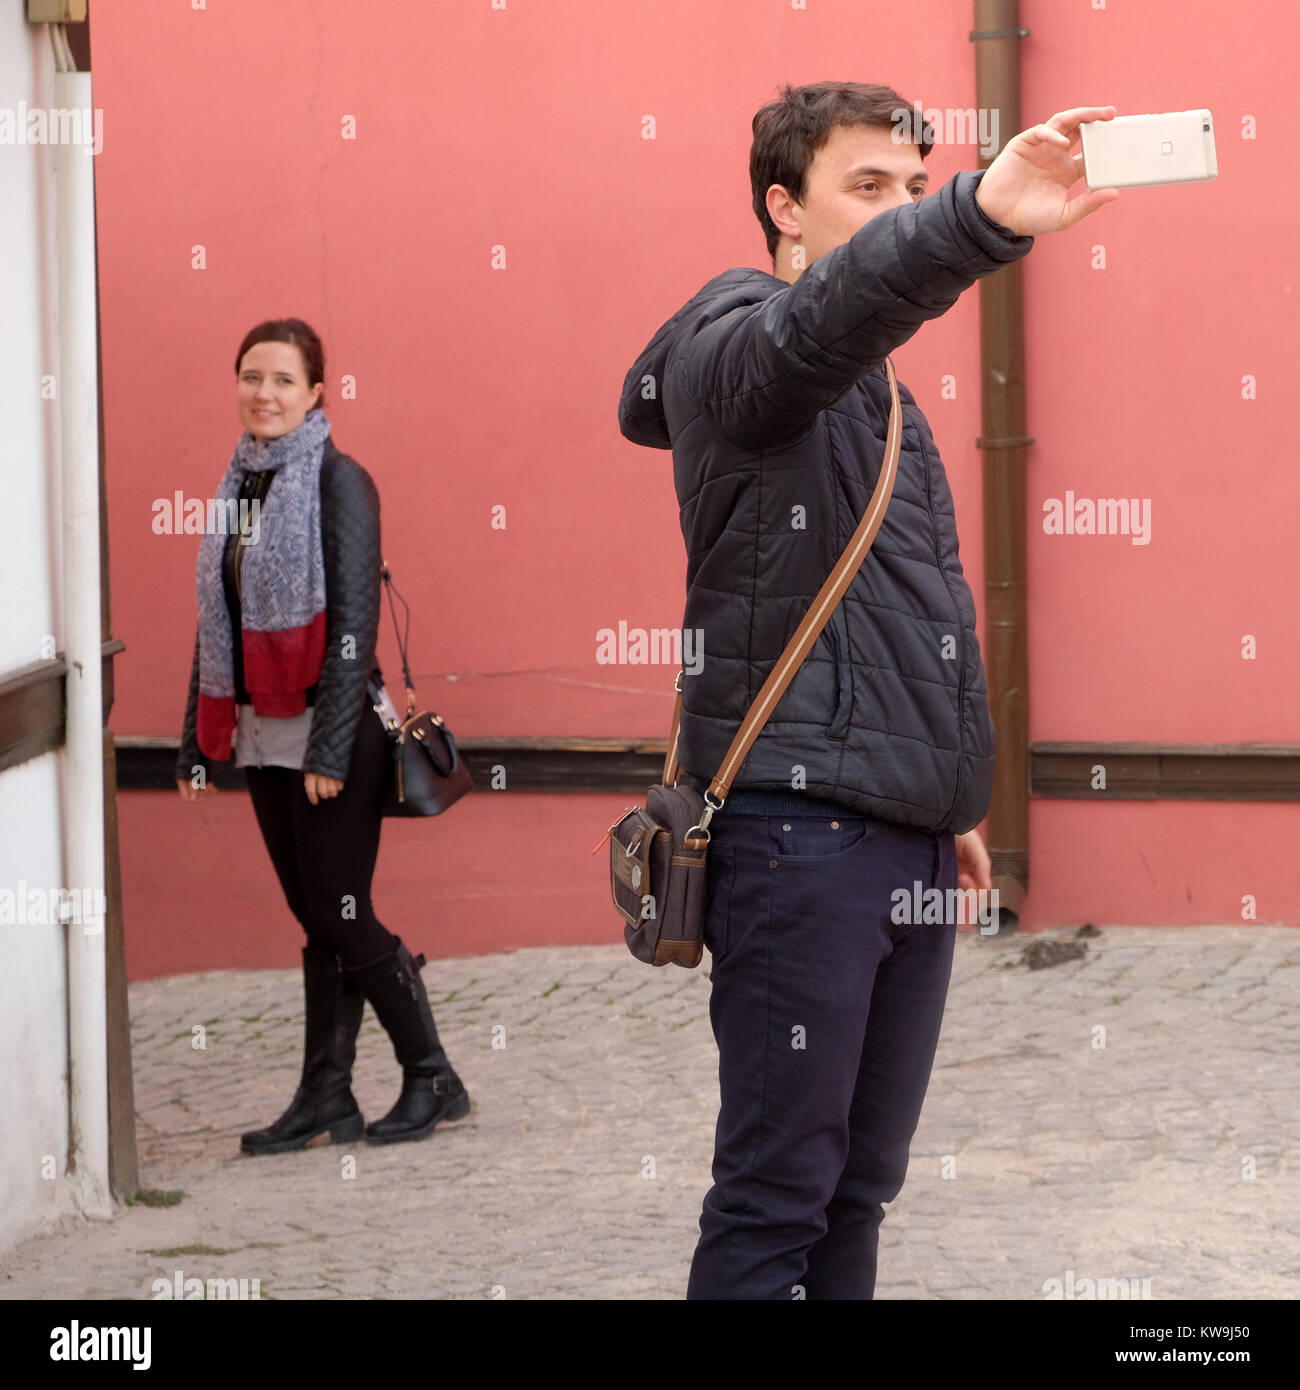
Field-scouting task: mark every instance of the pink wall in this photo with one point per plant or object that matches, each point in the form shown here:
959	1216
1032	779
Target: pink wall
476	387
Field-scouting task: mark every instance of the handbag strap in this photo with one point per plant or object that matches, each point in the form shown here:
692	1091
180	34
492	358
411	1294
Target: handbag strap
808	631
401	636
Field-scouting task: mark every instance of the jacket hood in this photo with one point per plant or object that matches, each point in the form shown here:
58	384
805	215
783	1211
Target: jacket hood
641	406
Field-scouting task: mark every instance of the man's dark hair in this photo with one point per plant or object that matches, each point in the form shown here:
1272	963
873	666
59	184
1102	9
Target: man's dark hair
789	131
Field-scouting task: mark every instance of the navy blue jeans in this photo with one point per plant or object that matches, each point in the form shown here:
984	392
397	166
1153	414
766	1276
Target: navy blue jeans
826	1014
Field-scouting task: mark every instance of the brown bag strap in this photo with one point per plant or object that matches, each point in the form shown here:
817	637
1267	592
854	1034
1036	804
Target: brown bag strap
671	768
808	631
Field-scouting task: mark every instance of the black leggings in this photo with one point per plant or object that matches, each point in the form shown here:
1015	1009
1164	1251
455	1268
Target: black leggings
324	855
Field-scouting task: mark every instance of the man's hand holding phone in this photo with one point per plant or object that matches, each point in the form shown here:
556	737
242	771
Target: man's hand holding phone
1025	188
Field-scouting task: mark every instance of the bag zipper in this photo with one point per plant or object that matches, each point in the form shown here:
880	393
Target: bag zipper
622	814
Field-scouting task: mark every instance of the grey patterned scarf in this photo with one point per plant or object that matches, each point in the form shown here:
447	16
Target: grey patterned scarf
282	577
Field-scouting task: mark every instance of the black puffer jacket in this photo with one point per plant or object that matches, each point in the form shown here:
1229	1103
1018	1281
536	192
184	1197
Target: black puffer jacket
774	401
349	508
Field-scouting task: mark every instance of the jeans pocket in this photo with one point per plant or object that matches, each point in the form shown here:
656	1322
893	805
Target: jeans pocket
815	839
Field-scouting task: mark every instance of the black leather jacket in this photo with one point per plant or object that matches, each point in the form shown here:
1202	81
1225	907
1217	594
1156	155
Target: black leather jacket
351	545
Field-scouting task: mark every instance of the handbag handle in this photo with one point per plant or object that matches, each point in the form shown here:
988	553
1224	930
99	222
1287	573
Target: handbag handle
808	631
387	577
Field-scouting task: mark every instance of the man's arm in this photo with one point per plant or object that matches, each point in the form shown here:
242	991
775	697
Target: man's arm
764	371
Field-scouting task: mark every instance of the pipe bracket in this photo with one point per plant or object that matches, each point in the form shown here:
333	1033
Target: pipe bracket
1016	33
1017	442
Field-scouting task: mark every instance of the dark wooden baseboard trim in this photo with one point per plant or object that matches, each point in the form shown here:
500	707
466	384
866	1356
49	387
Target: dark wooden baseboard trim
1133	771
145	763
32	704
1166	771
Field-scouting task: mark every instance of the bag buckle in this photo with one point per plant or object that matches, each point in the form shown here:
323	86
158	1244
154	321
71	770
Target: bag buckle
709	809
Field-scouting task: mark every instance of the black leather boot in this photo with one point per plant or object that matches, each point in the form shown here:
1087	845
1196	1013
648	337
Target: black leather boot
431	1090
323	1100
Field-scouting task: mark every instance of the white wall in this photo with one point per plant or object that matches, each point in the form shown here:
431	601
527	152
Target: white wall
33	1024
33	994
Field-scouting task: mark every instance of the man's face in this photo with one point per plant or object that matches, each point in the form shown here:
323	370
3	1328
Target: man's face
859	172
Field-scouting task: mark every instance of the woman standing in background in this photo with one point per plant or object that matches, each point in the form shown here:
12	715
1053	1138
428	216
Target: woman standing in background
288	622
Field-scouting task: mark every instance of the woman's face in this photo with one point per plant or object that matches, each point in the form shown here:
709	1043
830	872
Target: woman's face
273	394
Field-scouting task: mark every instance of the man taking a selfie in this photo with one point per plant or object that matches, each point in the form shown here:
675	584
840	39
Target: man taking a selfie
876	766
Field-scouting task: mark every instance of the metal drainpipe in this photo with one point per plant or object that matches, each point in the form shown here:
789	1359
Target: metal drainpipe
997	36
83	753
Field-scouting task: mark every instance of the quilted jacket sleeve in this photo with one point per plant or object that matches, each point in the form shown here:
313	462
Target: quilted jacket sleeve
350	541
764	371
189	754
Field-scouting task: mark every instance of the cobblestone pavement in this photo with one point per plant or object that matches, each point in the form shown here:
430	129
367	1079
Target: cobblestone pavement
581	1170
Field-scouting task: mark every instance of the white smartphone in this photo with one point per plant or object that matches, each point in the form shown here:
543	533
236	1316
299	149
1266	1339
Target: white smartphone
1140	151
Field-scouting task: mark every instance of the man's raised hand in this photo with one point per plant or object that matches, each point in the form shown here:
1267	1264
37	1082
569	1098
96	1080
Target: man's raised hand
1026	186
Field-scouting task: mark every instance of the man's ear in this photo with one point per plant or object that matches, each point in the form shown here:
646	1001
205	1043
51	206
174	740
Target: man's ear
780	208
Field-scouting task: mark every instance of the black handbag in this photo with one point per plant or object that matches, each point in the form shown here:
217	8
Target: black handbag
427	773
